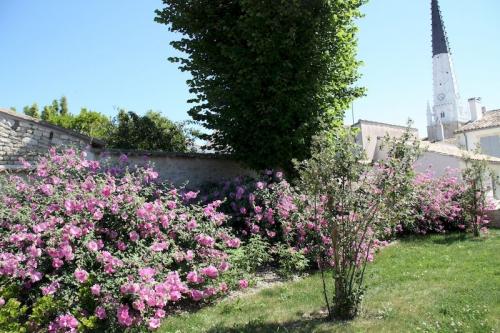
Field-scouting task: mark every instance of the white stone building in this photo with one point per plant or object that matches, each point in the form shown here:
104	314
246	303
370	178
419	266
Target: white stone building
482	134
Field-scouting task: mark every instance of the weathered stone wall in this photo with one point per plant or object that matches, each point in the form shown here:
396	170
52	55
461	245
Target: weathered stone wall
494	217
26	137
188	169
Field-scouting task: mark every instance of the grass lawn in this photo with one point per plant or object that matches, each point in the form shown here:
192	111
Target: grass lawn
445	283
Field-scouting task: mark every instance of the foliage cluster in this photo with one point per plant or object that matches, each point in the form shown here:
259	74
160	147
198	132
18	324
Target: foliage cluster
342	209
94	247
127	130
474	200
271	72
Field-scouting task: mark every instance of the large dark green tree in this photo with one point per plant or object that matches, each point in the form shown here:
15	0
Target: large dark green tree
266	75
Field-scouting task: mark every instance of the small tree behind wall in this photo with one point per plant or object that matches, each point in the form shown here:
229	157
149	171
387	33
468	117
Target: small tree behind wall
349	194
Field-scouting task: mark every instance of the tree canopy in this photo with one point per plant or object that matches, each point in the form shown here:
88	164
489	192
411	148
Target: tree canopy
266	75
149	132
127	130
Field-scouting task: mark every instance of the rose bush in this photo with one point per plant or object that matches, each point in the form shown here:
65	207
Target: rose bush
267	209
86	246
437	207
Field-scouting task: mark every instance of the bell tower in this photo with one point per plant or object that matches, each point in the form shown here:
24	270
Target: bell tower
447	113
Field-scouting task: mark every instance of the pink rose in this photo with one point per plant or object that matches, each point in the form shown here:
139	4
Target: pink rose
95	289
210	271
243	284
92	246
233	243
154	323
81	275
100	312
196	295
134	236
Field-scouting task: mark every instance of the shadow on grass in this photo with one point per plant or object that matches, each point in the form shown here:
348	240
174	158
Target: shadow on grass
440	239
449	239
296	326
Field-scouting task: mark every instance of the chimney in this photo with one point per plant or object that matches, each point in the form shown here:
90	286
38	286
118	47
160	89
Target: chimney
475	107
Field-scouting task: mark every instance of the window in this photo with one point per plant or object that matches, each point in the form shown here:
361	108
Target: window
442	114
490	145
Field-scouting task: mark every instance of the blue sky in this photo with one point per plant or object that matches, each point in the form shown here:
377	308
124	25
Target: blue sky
108	54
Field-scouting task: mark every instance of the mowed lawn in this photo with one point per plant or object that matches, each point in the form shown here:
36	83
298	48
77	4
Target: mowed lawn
445	283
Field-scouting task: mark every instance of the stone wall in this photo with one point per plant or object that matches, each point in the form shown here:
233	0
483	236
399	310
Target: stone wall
27	137
190	169
494	217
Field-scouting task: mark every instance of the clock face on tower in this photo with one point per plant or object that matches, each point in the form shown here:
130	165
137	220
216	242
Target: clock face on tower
441	97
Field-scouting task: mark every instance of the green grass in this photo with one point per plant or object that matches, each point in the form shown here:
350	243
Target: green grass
430	284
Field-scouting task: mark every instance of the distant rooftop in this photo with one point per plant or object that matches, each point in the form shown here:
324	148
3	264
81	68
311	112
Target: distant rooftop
362	121
452	150
490	119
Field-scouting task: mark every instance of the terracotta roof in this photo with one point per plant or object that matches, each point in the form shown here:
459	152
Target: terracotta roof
490	119
95	142
452	150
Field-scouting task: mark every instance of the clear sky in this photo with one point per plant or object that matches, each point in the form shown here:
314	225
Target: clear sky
104	54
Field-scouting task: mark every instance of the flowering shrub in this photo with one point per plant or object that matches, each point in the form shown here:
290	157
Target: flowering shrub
343	210
443	204
437	207
474	200
85	246
266	210
255	206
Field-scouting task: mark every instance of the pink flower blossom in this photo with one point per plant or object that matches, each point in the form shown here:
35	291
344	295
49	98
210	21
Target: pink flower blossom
160	313
95	289
100	312
134	236
205	240
123	316
92	246
158	247
189	255
193	277
196	295
154	323
210	271
243	284
81	275
147	273
192	224
260	185
233	243
190	195
67	321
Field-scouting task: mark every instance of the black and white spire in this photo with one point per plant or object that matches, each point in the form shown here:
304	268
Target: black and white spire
439	38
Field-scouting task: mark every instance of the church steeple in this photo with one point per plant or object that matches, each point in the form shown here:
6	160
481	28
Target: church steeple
439	39
447	114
